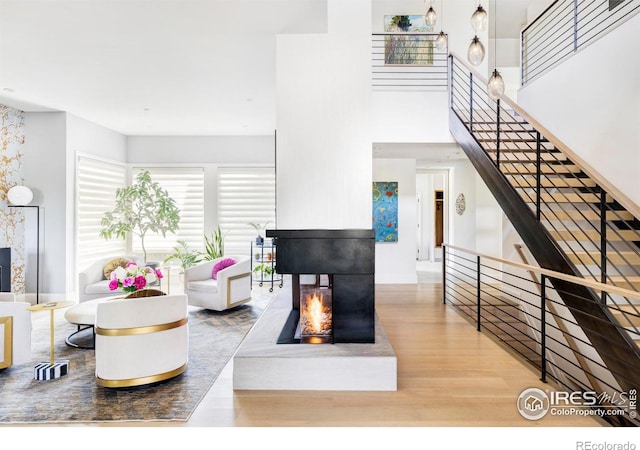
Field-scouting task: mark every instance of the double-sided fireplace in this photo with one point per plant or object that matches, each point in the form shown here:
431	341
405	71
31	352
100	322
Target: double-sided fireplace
332	285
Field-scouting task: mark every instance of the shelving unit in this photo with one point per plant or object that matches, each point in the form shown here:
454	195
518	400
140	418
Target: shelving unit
264	255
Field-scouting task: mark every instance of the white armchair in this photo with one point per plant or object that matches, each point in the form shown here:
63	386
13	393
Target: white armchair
92	283
15	331
141	340
231	288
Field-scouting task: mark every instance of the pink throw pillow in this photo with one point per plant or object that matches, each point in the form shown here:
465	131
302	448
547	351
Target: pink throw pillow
222	264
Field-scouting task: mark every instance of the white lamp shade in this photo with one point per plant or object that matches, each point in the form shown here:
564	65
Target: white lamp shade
495	87
475	53
20	195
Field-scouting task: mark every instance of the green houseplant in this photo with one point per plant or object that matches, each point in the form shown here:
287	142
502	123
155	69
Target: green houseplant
185	255
260	229
214	245
141	208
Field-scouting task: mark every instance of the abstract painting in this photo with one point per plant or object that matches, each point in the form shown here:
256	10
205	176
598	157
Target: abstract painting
404	49
385	211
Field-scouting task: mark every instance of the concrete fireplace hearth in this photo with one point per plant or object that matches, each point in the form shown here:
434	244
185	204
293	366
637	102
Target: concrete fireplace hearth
358	356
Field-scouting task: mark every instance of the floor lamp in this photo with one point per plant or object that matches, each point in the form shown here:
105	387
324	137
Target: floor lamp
37	246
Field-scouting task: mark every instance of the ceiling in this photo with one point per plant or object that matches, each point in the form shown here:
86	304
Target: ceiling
159	67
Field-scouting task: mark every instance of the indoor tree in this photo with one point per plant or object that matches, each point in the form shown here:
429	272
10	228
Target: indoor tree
141	208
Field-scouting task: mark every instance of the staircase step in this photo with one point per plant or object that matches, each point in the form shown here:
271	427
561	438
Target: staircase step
528	181
591	215
631	282
530	169
588	258
565	198
527	157
594	235
626	315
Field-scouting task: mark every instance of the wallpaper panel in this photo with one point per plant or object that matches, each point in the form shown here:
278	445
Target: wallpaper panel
11	174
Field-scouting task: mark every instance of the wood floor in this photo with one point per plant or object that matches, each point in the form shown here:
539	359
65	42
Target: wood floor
448	375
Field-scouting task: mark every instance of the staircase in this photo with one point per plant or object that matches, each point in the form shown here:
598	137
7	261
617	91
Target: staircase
571	219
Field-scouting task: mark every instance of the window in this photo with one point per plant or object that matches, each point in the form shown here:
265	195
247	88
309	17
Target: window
186	187
97	182
245	195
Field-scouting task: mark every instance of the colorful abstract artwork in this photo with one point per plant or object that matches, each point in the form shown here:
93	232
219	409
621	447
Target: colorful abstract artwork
385	211
404	49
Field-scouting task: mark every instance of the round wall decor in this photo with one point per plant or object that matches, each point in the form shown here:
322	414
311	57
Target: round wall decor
20	195
460	204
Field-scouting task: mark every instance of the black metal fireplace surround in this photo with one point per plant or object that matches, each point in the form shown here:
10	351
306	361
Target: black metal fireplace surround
348	257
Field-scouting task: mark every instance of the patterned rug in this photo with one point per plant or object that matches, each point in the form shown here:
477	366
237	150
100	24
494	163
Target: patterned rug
214	338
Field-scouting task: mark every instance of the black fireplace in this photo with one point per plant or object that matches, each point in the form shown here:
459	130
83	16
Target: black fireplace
332	272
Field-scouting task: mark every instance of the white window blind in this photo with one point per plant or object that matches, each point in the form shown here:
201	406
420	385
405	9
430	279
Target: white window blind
186	187
245	195
97	182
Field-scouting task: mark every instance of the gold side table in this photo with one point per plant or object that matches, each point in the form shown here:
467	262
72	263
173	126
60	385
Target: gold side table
52	369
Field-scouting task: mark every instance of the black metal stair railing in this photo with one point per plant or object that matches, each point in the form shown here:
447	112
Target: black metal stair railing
517	305
573	221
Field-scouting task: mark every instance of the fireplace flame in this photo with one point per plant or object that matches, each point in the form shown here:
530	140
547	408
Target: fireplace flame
316	316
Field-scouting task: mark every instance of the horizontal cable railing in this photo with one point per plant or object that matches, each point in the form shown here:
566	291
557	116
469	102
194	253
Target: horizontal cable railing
564	28
518	305
408	61
595	224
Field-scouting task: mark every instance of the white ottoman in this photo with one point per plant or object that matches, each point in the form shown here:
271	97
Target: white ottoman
84	316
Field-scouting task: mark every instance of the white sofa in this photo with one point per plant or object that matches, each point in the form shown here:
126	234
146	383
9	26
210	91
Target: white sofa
232	287
91	281
15	331
141	341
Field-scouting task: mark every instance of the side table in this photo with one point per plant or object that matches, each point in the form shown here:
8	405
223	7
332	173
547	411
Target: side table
52	369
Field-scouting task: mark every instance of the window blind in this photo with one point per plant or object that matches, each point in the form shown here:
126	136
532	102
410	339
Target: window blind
245	195
96	184
186	187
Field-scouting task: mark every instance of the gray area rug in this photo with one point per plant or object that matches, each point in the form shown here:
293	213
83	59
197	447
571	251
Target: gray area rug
214	338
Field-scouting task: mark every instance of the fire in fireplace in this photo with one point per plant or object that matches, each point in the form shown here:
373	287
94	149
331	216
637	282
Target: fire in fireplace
316	320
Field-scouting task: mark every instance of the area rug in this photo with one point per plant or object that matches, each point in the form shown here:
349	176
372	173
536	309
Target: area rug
213	339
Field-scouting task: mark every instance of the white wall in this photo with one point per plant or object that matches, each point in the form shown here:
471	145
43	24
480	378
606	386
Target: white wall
396	261
422	116
324	131
591	102
201	149
45	163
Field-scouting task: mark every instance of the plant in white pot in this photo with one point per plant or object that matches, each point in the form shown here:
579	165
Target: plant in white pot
141	208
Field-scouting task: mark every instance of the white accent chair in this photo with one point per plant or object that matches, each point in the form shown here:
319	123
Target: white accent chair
15	331
91	281
232	287
141	340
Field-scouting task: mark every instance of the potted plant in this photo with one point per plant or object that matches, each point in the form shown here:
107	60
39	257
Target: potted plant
260	229
140	208
214	246
185	255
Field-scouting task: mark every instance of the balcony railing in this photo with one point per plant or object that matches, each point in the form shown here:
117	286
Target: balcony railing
566	27
408	61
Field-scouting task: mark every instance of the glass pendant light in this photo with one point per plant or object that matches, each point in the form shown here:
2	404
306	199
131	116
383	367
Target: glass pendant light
475	53
479	20
495	86
441	40
430	17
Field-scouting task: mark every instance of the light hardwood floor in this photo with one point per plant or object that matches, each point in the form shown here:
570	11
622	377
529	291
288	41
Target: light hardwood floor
448	375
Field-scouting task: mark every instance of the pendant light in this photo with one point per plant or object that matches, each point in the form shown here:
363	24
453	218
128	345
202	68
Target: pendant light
441	40
495	86
430	16
475	53
479	20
